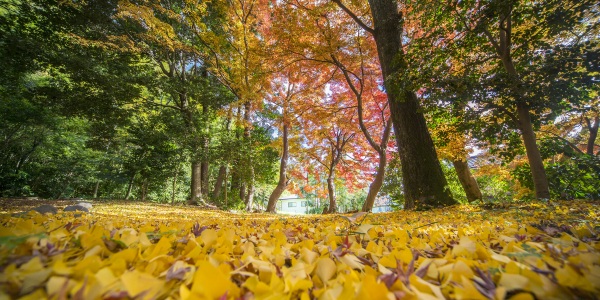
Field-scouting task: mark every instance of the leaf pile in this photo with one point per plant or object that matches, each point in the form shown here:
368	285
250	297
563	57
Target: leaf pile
146	251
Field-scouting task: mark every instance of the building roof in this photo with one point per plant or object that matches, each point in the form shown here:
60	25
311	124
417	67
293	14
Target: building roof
292	198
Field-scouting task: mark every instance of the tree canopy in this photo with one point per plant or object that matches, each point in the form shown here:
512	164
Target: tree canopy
234	104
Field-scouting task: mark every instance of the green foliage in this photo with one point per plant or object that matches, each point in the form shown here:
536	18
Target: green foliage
570	178
454	184
392	183
496	188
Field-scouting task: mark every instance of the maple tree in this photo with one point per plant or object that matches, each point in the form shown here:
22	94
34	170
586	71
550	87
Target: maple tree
424	182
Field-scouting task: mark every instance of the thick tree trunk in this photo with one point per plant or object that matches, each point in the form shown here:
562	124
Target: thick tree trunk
376	184
242	191
423	180
204	177
331	190
219	182
196	191
235	179
144	191
540	182
593	128
467	180
283	181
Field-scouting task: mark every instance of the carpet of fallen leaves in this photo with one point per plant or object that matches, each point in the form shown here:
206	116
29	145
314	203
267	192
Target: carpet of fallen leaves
149	251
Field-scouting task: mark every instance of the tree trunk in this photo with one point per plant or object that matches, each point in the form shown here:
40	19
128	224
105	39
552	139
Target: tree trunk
219	182
331	190
174	186
503	47
144	189
249	200
283	181
225	188
423	180
96	189
196	195
235	179
376	184
204	178
130	187
242	191
593	128
467	180
540	182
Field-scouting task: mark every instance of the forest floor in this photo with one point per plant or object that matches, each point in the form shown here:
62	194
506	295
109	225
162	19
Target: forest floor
148	251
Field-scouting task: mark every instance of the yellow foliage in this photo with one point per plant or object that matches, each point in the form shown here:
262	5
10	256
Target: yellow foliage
145	251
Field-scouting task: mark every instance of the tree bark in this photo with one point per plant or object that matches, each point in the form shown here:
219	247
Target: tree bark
174	186
225	188
219	182
283	181
96	189
376	184
196	195
204	175
144	189
242	192
467	180
424	183
331	190
593	128
130	187
249	200
540	182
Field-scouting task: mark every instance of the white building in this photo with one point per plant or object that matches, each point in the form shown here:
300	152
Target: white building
382	204
292	205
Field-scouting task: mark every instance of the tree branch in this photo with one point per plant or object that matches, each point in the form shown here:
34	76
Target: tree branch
354	17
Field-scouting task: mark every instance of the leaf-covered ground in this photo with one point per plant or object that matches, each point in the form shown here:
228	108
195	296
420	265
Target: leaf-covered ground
149	251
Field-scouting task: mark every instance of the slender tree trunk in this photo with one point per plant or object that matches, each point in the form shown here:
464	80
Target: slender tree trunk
225	189
467	180
249	200
219	182
283	181
376	184
593	128
540	182
130	187
96	189
503	47
331	190
174	186
423	180
249	197
196	195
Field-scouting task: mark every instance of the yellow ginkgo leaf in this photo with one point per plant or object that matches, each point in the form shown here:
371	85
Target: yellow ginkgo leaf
325	269
209	282
141	284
